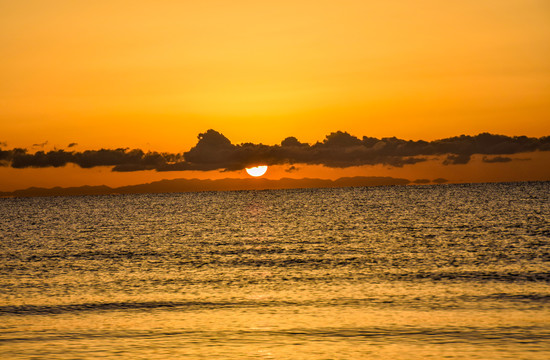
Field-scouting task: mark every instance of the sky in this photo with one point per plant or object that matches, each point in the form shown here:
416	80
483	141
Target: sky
155	75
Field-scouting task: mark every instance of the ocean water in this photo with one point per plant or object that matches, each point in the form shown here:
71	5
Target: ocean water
411	272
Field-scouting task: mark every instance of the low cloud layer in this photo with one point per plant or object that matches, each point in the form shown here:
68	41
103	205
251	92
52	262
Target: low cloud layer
214	151
120	159
496	159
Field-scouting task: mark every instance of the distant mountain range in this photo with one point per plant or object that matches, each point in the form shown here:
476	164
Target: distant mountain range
193	185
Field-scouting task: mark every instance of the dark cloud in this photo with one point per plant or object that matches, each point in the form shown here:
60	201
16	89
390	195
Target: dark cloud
72	145
5	157
339	149
291	169
421	181
214	151
292	142
459	159
496	159
120	159
440	181
41	145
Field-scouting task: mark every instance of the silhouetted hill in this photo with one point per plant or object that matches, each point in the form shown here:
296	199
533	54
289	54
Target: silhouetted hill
59	191
192	185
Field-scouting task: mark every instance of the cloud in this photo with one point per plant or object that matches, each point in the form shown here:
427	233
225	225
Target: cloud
440	181
421	181
5	157
339	149
214	151
120	159
459	159
41	145
72	145
496	159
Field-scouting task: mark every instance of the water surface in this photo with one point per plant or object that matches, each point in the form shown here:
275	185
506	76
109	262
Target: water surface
413	272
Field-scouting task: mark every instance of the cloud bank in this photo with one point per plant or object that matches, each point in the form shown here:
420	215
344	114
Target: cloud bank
214	151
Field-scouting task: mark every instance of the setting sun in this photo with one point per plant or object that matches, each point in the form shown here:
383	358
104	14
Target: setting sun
257	170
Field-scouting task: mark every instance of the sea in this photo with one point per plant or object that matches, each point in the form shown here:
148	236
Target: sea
457	271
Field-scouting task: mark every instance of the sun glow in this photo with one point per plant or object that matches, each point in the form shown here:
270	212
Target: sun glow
257	170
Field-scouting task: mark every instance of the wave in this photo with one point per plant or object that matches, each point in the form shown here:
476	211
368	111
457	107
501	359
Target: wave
495	300
433	335
113	306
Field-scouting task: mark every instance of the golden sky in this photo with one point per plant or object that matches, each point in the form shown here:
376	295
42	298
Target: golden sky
153	75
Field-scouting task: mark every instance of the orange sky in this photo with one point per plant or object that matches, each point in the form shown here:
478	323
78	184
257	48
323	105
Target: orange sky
153	75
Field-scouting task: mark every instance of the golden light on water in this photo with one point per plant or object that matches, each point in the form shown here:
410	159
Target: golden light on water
257	170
